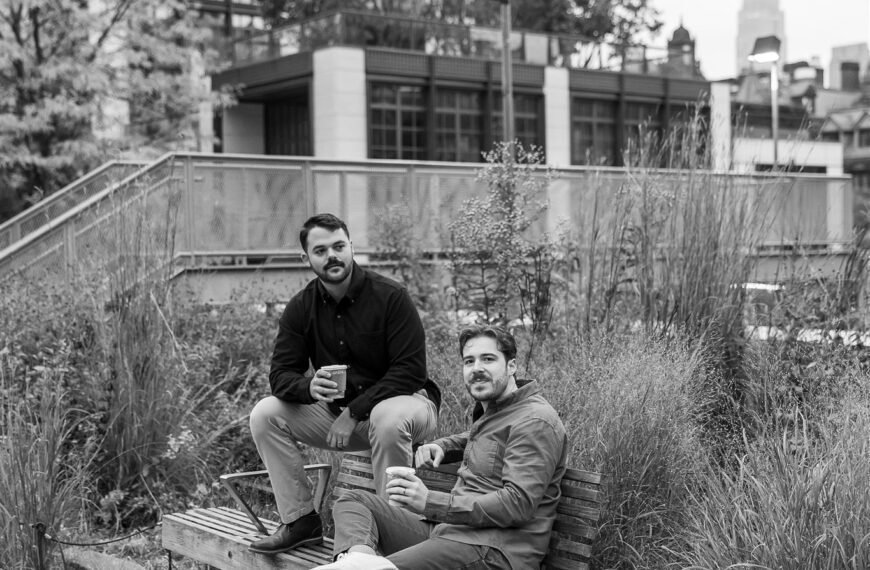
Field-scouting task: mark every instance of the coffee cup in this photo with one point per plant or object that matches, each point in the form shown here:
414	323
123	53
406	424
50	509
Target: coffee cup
338	374
401	472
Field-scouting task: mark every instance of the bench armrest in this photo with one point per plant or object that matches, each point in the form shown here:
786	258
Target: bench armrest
232	481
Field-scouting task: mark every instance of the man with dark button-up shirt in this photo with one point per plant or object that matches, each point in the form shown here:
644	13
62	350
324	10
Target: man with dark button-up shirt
501	510
346	316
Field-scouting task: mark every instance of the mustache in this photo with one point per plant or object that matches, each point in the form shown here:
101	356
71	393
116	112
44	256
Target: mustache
479	376
331	264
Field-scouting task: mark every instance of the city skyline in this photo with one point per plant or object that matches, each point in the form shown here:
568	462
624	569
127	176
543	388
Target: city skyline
809	31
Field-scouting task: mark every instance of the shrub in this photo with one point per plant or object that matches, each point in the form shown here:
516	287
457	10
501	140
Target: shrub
44	478
492	240
796	500
630	405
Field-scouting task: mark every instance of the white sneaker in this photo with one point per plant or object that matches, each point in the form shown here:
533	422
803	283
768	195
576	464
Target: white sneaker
359	561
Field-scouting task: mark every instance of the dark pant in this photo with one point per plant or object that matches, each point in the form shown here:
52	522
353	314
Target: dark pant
362	518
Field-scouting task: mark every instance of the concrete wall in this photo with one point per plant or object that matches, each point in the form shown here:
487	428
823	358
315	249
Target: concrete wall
339	104
747	152
244	129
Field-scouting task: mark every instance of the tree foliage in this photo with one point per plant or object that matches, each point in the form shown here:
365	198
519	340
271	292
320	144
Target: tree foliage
618	21
73	71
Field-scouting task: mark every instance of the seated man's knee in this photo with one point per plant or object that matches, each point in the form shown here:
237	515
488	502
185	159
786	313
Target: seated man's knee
353	498
390	421
262	414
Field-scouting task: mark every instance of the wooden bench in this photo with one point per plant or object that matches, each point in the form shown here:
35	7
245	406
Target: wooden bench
220	536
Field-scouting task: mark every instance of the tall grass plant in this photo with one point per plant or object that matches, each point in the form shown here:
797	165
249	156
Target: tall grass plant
45	479
798	500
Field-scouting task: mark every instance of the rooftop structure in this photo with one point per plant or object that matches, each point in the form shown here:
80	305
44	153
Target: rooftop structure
370	29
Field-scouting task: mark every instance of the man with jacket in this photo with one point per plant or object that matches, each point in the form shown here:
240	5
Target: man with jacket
501	510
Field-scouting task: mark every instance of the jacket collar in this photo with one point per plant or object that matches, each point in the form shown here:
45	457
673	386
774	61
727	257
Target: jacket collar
526	389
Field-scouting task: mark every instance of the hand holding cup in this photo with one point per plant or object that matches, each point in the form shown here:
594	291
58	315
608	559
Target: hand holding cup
328	383
401	486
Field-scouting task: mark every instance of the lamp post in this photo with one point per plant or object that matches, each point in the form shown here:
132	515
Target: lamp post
766	50
507	82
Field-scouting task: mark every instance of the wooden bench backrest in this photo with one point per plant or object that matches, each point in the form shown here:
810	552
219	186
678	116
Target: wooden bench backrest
577	513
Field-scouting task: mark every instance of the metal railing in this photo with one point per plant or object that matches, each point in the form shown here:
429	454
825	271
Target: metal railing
217	209
362	29
47	210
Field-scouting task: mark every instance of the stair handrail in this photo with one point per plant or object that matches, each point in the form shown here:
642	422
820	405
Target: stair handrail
63	193
73	212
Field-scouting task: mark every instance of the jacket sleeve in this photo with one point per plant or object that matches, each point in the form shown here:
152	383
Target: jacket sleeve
531	457
290	358
455	442
406	352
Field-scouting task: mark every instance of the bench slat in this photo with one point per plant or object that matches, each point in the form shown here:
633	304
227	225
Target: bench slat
574	527
356	481
204	519
584	493
582	476
193	534
562	544
565	564
566	507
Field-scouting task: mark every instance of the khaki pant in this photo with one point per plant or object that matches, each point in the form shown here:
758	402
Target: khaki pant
361	518
394	425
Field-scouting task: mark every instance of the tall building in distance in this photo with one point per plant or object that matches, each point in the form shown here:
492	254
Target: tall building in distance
850	66
759	18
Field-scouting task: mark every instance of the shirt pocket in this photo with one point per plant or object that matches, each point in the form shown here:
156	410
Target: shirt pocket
486	458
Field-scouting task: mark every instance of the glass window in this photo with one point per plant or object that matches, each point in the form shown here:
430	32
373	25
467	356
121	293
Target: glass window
593	131
527	113
643	128
459	126
398	122
288	125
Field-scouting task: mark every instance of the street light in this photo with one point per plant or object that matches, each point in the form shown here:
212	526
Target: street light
766	50
507	91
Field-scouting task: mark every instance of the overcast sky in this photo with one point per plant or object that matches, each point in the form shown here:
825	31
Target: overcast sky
812	28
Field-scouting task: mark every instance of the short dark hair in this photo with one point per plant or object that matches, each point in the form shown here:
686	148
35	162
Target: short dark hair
327	221
504	341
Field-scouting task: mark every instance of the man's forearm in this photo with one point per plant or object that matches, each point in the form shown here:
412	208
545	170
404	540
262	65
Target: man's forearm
505	508
290	386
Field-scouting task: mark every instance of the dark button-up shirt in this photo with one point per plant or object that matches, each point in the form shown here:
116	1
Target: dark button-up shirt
509	480
375	330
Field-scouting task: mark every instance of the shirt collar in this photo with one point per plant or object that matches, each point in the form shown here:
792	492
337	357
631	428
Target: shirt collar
526	388
357	281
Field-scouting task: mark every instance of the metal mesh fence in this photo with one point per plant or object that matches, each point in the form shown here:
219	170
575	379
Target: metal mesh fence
230	205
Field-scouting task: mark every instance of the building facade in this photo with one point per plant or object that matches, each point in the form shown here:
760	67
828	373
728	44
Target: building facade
382	88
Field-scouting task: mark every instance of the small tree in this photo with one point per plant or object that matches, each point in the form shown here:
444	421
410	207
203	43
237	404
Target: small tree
396	242
492	239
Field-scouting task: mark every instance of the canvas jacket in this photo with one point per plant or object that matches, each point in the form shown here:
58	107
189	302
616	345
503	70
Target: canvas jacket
509	480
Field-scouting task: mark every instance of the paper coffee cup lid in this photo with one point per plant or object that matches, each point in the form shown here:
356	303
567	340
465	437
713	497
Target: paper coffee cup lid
400	469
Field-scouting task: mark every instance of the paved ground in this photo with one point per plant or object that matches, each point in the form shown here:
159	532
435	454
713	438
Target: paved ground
83	559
